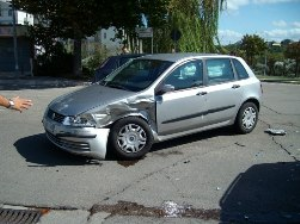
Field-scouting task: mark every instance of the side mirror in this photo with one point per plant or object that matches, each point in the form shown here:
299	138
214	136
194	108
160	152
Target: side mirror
165	89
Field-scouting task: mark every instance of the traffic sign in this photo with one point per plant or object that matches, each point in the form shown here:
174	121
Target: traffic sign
144	32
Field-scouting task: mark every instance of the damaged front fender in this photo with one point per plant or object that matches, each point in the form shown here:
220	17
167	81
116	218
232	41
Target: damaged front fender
136	106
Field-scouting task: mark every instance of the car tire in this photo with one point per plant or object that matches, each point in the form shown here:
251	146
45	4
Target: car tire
247	118
131	138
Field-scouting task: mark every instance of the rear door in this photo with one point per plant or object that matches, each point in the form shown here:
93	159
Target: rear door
224	92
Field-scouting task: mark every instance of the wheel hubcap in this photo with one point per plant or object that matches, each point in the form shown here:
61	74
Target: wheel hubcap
249	118
132	138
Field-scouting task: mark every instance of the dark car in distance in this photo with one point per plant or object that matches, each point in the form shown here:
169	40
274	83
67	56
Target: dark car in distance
112	63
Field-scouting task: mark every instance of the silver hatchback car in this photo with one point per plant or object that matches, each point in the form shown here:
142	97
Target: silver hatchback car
153	99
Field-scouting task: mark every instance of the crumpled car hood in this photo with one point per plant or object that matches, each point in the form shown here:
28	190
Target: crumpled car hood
87	98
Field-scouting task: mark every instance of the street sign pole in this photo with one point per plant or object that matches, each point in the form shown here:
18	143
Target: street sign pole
152	45
15	39
143	32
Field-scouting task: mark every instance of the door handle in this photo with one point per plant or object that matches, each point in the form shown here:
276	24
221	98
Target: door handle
201	93
235	86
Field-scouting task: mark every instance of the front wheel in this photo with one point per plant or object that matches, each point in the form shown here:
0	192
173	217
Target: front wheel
247	118
131	138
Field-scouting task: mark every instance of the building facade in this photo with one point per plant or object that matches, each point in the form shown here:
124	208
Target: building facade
17	51
15	46
104	39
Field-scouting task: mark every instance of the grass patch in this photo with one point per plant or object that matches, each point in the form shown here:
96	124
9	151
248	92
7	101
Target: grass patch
282	79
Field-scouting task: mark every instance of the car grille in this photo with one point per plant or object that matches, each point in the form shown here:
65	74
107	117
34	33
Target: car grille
76	146
55	116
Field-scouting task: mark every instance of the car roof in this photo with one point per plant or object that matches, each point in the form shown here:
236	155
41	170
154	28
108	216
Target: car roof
174	57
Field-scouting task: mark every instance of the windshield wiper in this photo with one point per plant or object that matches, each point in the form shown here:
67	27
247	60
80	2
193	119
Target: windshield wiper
115	85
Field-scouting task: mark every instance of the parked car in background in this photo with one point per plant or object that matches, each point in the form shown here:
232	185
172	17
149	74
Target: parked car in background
152	99
112	63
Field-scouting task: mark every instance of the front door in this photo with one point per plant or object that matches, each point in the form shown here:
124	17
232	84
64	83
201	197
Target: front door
183	108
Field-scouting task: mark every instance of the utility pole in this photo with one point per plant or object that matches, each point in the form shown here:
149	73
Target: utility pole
15	39
265	62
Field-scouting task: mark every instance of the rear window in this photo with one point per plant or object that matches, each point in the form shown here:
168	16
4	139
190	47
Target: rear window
240	70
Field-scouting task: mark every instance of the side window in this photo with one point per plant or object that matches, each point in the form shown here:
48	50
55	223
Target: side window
239	68
219	70
186	76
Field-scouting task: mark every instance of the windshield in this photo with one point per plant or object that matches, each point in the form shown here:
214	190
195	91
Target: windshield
137	74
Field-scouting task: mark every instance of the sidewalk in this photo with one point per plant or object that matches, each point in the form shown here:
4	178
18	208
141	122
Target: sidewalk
24	215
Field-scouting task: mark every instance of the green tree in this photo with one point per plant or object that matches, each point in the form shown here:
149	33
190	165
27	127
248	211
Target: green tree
77	19
284	43
197	20
253	45
293	52
155	14
271	59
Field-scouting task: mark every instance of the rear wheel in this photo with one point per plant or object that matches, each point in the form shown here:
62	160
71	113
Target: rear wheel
131	138
247	118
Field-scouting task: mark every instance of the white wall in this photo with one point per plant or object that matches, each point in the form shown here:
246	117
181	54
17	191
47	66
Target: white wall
6	17
105	38
24	18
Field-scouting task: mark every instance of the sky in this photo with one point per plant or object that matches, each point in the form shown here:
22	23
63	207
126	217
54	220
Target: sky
272	20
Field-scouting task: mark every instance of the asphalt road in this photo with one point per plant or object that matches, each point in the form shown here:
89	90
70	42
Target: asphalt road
214	175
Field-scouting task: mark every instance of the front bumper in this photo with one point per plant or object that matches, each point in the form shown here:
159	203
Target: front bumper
88	141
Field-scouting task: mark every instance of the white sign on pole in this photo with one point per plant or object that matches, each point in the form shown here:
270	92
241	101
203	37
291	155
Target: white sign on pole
144	32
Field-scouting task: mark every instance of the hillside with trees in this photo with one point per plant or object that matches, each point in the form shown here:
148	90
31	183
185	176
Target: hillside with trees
268	58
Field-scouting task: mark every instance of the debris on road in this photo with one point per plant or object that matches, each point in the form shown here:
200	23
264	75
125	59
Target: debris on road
273	131
172	210
239	144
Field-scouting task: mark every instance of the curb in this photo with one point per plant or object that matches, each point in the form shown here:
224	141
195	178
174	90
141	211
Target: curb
8	83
